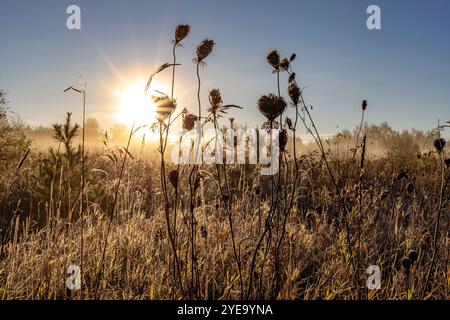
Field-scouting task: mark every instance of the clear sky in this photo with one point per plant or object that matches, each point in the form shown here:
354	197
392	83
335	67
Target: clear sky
403	70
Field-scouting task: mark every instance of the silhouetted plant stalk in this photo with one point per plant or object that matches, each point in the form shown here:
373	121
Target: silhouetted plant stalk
165	107
81	90
217	108
272	107
203	50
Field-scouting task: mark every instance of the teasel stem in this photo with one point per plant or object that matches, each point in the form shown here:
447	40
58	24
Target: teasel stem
230	218
279	95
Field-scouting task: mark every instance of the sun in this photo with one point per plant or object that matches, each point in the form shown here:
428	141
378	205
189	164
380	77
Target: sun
136	108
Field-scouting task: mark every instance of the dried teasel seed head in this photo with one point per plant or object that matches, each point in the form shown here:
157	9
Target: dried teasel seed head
189	121
364	105
439	144
173	178
291	77
204	49
215	98
284	64
271	106
164	106
181	32
294	92
273	58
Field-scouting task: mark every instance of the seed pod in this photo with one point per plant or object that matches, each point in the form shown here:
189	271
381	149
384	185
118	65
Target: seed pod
294	92
204	49
181	32
292	58
164	106
364	105
271	106
291	77
215	98
284	64
273	58
189	121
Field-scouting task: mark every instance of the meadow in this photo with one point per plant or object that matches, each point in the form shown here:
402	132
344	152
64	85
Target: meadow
144	228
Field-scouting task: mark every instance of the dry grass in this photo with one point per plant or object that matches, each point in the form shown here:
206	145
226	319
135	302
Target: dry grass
394	219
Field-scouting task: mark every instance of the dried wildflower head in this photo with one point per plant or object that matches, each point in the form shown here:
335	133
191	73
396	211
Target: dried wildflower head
284	64
204	49
283	139
271	106
181	32
439	144
292	58
164	107
189	121
273	58
215	98
294	92
173	178
364	105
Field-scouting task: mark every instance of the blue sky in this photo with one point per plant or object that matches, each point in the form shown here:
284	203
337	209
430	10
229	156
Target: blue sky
403	70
